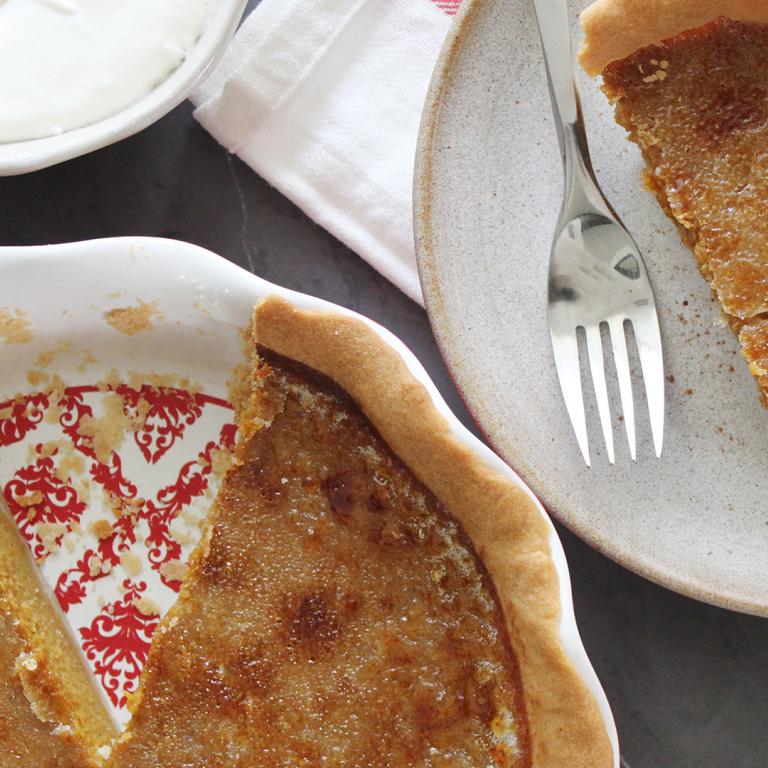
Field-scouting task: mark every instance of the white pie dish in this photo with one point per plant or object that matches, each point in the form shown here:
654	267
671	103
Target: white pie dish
203	301
23	156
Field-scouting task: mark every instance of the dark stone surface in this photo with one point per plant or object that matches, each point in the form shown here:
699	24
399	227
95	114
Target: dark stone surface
687	682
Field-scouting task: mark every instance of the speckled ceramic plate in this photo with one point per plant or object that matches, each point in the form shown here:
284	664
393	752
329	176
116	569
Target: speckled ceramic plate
63	313
488	189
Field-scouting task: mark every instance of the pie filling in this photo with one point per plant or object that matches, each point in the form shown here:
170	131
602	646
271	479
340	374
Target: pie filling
335	614
697	105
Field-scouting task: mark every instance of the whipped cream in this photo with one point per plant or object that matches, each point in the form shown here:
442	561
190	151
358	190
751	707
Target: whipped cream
68	63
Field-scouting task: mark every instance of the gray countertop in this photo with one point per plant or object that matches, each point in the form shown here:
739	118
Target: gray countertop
687	682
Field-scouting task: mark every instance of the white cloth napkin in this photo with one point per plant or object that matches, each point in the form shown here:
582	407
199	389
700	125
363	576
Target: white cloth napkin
323	98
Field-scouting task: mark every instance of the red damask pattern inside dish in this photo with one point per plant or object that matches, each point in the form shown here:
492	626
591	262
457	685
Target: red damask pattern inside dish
111	529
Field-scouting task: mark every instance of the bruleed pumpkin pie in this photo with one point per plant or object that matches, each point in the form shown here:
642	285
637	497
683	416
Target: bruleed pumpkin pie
689	81
366	592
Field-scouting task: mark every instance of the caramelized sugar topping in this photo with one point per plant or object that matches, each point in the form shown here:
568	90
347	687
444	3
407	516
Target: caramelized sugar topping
698	107
338	617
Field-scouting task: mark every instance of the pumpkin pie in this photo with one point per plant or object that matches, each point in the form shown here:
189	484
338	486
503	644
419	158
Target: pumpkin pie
689	82
366	591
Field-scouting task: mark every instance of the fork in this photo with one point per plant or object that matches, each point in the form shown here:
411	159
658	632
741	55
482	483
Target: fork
597	278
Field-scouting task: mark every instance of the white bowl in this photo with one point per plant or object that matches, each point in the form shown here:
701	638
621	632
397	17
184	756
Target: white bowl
23	156
203	300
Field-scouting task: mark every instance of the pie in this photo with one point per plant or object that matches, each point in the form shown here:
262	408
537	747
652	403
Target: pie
366	591
689	81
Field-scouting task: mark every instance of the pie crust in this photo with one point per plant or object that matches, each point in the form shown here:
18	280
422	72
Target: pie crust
614	29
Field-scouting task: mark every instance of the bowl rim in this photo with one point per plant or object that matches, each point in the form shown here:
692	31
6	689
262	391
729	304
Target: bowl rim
108	259
20	157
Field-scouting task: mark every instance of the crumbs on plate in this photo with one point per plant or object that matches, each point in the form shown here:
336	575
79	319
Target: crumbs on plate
132	320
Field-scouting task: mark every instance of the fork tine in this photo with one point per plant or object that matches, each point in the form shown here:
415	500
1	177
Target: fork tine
619	344
597	368
645	324
566	349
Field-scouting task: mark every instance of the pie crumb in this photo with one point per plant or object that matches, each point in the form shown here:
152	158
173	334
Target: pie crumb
14	329
48	533
101	529
107	432
131	563
221	458
174	570
132	320
147	607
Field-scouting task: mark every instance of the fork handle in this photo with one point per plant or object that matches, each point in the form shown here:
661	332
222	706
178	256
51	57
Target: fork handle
581	189
555	31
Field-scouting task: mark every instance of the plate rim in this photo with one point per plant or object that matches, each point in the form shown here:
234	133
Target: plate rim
423	178
241	286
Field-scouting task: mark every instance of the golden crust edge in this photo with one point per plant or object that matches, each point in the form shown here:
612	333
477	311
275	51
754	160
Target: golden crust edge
614	29
61	687
506	528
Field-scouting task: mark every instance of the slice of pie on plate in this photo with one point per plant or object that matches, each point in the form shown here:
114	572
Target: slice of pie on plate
366	592
689	81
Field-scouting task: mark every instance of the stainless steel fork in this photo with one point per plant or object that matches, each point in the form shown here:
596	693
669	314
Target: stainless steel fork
597	277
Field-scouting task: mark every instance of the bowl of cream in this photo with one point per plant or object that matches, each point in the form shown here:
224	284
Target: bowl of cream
76	75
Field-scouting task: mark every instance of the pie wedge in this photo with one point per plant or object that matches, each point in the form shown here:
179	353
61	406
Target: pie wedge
366	591
689	81
51	714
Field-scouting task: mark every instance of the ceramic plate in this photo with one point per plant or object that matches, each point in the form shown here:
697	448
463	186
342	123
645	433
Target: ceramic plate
67	354
488	190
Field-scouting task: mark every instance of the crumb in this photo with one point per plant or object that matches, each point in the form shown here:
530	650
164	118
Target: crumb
14	329
94	566
689	391
198	305
49	533
189	517
138	379
132	320
36	377
147	606
30	500
44	359
86	360
131	563
180	537
221	458
174	570
101	529
70	464
138	419
28	661
671	379
109	431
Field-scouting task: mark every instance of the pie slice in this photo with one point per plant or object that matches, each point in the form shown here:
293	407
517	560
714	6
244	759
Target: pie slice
689	81
366	593
51	714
